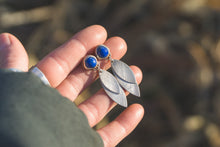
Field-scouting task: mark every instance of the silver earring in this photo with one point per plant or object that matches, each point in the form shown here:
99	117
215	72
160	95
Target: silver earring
108	81
122	71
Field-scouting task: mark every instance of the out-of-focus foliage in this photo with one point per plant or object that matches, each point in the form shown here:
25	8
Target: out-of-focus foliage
175	42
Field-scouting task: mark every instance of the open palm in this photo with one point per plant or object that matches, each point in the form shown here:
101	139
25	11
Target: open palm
65	73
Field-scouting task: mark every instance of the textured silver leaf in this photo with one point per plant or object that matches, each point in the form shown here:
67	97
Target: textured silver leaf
109	81
125	77
130	87
123	71
110	84
118	98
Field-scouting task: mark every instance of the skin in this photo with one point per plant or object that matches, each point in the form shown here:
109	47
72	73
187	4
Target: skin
64	70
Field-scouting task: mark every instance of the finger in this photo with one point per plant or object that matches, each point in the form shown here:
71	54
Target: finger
12	53
59	63
96	107
118	129
81	78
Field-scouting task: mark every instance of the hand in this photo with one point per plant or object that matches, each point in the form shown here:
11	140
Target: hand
65	73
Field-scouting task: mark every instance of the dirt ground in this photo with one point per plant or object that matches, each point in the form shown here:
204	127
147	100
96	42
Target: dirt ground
176	43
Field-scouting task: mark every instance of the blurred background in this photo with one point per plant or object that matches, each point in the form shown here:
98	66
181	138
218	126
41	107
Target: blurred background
175	42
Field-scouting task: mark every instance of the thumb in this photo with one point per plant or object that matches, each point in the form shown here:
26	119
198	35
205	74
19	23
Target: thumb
12	53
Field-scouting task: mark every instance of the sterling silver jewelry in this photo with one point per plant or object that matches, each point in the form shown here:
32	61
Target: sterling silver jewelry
35	70
122	71
108	81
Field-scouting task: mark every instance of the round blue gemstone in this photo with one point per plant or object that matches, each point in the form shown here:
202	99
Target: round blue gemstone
90	62
102	51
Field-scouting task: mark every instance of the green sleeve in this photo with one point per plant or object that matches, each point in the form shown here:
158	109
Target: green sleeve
35	115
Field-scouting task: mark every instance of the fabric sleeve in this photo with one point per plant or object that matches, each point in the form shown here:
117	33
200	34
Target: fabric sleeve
35	115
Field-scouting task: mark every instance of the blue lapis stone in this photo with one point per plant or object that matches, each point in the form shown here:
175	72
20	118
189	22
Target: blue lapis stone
102	51
90	62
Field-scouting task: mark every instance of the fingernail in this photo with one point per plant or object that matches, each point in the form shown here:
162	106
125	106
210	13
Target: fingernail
4	41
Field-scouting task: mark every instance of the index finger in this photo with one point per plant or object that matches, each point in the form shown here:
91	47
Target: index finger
59	63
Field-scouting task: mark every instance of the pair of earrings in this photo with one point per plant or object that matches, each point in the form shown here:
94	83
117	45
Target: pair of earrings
113	85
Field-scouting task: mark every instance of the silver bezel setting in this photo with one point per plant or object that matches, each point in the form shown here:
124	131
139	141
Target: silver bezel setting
84	64
100	57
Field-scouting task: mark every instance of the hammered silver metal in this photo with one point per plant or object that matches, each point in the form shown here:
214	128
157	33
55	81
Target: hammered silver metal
112	88
130	87
39	74
109	81
125	77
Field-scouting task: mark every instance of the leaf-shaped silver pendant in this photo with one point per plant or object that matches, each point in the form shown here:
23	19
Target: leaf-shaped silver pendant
112	88
125	77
